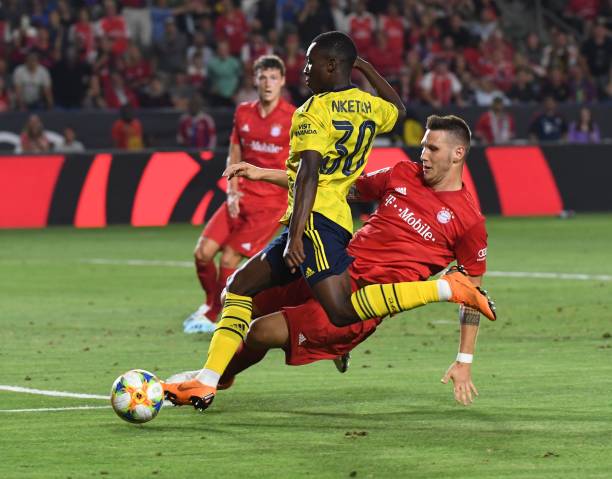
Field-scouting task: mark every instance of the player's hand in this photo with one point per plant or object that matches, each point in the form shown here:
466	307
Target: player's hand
461	375
360	64
233	203
294	254
242	169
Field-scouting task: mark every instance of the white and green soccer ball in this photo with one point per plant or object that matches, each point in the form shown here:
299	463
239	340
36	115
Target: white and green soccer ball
137	396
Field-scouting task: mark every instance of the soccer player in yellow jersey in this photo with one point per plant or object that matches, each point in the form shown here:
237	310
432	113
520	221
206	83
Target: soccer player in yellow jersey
331	137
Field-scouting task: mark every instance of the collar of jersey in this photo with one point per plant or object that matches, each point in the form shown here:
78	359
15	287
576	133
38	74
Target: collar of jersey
347	87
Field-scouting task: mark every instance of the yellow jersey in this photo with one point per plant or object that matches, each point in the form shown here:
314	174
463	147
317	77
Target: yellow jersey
341	125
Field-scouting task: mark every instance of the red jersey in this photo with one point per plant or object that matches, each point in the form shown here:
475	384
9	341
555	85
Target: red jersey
416	231
234	29
197	131
361	29
394	30
116	29
263	142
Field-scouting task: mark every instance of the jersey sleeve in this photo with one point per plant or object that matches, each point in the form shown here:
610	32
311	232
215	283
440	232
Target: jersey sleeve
471	249
372	186
309	132
386	115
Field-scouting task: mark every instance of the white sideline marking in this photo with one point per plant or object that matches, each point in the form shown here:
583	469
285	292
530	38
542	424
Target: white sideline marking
495	274
140	262
43	392
63	394
53	409
540	275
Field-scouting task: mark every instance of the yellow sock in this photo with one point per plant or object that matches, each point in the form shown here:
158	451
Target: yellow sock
231	331
378	300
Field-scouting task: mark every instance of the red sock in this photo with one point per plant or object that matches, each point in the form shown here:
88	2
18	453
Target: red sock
244	358
207	274
224	273
215	301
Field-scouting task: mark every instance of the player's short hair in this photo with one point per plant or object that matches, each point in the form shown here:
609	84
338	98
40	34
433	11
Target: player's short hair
452	124
338	45
265	62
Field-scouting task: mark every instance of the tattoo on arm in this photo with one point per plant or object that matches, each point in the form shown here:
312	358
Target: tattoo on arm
469	316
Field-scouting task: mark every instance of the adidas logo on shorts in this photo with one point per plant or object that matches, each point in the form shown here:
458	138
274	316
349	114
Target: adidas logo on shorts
301	339
309	272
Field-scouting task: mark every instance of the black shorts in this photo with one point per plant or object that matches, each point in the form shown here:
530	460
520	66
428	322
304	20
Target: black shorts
325	244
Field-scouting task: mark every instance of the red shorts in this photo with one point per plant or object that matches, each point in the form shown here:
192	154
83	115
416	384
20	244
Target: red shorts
312	336
248	233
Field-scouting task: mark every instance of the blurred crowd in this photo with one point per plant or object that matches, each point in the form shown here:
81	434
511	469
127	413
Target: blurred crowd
162	53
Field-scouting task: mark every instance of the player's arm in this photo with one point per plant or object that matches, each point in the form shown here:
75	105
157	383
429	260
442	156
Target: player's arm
305	191
382	87
255	173
233	192
460	371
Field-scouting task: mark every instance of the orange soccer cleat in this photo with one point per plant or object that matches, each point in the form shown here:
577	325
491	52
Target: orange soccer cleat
190	392
464	292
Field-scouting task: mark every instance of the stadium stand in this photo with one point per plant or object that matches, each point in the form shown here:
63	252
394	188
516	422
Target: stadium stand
58	55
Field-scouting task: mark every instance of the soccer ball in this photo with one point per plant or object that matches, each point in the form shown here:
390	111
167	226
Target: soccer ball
137	396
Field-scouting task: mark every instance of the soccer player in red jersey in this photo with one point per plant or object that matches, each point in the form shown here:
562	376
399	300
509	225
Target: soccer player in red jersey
249	218
425	220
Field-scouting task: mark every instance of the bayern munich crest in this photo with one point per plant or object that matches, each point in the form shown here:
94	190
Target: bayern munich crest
276	130
444	216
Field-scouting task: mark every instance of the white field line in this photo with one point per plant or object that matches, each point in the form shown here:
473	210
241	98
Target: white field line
492	274
44	392
54	409
63	394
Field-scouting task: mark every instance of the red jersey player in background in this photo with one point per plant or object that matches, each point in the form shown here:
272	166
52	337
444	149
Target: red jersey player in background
246	222
426	219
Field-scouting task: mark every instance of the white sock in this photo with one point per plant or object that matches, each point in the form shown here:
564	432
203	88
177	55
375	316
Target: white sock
208	377
444	290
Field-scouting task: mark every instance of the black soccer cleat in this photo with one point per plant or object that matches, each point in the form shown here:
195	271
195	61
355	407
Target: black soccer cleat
343	362
202	403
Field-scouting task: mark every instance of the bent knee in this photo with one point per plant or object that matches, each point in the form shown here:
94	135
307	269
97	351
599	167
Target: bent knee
230	259
343	315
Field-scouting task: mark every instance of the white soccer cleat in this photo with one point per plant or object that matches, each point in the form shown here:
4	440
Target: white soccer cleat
201	325
182	377
198	314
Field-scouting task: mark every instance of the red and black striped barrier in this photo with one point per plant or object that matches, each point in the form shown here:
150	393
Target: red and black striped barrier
154	189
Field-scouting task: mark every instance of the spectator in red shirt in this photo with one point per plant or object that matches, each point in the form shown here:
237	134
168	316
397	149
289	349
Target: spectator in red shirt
583	9
196	128
82	33
232	26
127	130
362	25
117	93
294	64
113	26
496	125
138	71
256	47
379	55
196	71
393	26
441	87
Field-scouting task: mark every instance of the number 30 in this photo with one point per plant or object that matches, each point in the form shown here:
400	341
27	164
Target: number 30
330	165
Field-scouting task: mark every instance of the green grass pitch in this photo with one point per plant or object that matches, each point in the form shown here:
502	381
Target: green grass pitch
544	370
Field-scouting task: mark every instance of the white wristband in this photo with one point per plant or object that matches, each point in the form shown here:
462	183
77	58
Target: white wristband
465	358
